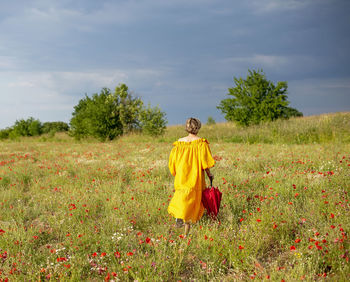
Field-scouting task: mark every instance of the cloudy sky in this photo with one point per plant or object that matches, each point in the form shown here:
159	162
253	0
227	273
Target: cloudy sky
181	55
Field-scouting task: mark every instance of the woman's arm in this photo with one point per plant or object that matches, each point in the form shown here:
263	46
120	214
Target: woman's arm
210	175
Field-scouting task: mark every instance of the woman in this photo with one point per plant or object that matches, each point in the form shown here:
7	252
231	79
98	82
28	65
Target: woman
188	160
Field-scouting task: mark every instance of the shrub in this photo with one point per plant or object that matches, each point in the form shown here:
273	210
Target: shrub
56	126
152	121
108	115
5	133
29	127
211	121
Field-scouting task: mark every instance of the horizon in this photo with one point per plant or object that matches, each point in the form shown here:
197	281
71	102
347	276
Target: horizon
204	123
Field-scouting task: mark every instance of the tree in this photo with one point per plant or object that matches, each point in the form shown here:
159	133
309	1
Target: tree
55	126
152	121
211	121
256	99
29	127
128	108
108	115
5	133
97	117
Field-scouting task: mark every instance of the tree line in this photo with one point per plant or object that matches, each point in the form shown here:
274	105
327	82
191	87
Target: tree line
108	114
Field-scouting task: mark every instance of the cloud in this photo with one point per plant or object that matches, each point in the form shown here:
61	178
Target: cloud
8	62
317	95
268	6
269	61
167	52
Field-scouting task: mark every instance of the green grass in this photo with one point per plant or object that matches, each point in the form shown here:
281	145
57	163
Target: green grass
322	129
88	211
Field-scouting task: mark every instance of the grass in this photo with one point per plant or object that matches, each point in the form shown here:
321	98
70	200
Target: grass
91	211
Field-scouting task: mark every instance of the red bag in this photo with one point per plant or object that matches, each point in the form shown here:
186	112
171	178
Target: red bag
211	199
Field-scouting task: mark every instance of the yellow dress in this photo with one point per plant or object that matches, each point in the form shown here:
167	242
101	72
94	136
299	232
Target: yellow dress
187	163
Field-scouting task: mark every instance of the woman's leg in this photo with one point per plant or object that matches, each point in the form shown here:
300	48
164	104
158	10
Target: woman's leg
187	228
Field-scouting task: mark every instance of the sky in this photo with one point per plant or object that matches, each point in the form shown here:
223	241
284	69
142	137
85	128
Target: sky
180	55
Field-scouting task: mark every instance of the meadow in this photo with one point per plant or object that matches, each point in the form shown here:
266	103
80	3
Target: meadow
74	211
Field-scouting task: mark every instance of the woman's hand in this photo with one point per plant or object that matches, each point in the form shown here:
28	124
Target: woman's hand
210	175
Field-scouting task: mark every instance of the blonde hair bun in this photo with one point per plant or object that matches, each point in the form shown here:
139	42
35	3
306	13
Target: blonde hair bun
193	125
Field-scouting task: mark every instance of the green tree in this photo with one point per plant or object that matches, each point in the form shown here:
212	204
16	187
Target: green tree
256	99
152	121
107	115
5	133
28	127
211	121
97	117
128	108
55	126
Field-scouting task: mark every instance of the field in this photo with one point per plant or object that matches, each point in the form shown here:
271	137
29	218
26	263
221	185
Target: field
75	211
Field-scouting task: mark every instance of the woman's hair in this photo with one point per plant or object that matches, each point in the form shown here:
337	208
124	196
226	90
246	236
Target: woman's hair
193	125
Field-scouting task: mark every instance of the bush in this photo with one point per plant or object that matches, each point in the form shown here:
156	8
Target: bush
108	115
5	133
211	121
56	126
29	127
97	117
152	121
